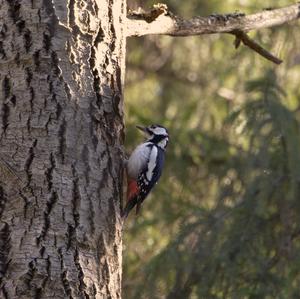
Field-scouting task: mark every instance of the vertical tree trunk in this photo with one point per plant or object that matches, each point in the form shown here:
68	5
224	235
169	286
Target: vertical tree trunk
61	127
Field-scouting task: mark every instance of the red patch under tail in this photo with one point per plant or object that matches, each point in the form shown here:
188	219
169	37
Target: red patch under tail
132	189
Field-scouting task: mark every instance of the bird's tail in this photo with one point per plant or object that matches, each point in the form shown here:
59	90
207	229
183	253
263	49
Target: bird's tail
129	206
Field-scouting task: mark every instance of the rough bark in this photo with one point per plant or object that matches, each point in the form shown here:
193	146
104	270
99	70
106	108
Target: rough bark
61	130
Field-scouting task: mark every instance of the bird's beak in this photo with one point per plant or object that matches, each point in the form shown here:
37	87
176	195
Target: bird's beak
144	129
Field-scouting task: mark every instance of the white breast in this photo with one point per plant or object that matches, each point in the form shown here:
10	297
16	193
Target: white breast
137	160
151	163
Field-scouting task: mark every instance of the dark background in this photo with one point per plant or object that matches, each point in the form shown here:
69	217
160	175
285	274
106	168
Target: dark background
224	220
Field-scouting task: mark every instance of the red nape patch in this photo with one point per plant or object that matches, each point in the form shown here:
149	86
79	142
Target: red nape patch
132	189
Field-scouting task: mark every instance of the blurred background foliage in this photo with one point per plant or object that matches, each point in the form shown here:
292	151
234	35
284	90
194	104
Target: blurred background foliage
224	220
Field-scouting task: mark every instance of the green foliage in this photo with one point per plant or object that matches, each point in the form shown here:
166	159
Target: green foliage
223	222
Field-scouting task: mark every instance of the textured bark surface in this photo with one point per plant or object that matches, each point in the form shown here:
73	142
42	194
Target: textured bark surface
61	130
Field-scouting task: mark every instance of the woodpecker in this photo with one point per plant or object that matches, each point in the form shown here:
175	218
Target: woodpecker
145	165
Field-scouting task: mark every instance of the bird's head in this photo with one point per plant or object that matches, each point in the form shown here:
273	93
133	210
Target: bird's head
156	134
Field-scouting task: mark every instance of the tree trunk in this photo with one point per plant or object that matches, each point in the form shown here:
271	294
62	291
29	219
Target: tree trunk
61	130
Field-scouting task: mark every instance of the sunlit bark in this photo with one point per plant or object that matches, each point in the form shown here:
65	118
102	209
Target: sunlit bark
61	126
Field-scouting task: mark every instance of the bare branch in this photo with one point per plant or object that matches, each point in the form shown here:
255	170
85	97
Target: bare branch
160	20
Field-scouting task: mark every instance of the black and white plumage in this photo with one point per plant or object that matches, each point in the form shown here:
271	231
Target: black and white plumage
145	165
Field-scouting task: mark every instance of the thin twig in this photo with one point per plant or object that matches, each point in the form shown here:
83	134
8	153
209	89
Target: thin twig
247	41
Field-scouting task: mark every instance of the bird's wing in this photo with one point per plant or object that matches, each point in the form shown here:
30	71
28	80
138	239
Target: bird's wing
150	174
